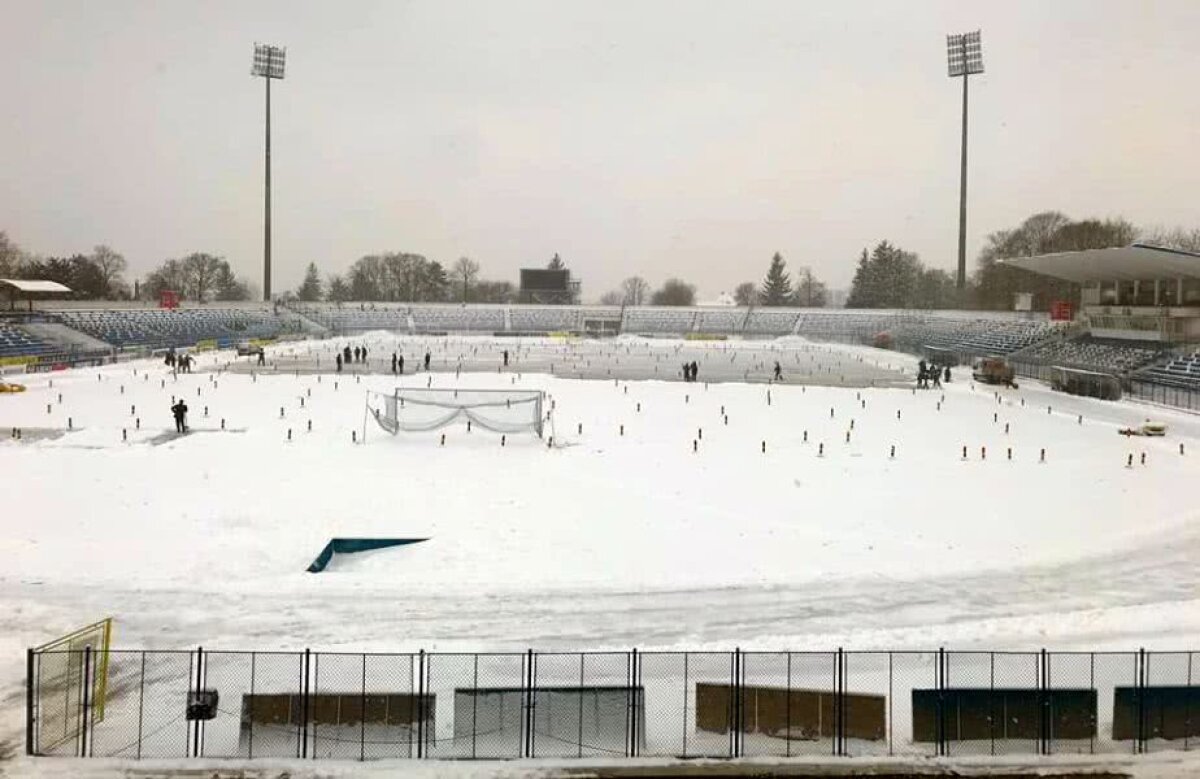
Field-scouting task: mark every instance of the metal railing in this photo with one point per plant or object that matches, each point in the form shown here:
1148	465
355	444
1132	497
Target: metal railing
419	705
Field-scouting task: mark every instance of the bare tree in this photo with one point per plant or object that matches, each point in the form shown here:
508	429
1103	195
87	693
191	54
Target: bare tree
111	266
11	256
613	297
201	273
675	292
635	289
466	269
746	294
1172	238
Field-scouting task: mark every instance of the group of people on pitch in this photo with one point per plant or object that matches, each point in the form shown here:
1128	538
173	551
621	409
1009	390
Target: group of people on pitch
690	371
180	362
930	375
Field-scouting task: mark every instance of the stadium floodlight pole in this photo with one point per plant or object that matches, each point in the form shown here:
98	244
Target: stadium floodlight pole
965	58
268	64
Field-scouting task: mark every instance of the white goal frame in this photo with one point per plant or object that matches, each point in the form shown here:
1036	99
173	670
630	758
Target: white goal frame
458	404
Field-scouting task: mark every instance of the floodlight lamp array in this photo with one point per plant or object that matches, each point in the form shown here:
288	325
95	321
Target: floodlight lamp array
964	54
268	61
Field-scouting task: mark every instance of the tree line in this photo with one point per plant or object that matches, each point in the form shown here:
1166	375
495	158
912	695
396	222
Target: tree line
100	275
886	276
890	277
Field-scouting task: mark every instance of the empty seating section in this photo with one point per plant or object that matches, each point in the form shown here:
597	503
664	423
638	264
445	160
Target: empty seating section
457	318
770	322
727	320
1180	371
182	327
658	320
356	316
844	326
1104	356
15	342
558	318
971	336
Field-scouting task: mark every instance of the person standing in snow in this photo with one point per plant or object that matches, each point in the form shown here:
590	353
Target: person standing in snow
695	370
338	360
393	363
179	411
778	371
427	361
400	364
505	358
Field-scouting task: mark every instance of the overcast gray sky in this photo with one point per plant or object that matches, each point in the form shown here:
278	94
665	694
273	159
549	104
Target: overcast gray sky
657	138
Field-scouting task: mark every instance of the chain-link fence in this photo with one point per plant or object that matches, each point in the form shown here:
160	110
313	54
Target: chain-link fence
362	706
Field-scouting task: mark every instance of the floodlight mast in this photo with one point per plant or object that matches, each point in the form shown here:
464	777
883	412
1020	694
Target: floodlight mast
268	64
964	55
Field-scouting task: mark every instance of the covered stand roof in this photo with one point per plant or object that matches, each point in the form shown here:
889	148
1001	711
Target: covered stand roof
33	285
1122	263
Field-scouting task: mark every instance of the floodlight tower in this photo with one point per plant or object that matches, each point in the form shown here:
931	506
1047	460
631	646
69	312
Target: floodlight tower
965	58
268	64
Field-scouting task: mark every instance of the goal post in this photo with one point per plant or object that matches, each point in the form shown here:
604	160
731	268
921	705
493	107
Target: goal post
71	674
421	410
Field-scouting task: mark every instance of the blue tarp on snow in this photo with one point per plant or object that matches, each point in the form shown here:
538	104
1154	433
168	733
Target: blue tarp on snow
350	545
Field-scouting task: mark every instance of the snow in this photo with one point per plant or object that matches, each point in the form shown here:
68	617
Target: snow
608	539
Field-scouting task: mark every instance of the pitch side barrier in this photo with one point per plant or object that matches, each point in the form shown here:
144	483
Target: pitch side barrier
679	704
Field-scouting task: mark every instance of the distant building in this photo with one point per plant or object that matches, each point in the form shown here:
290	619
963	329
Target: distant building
724	299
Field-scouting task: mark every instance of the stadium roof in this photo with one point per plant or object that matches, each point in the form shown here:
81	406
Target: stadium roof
34	285
1122	263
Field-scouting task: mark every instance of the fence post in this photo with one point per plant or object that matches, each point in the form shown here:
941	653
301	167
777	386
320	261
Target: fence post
420	704
83	718
788	712
196	723
142	704
253	669
940	683
530	693
634	701
29	698
1044	705
305	662
838	700
1140	746
362	729
685	704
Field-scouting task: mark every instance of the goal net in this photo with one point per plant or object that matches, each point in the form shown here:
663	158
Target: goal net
423	410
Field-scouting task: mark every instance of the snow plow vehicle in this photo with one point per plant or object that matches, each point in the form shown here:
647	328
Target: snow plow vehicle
1151	429
994	370
248	349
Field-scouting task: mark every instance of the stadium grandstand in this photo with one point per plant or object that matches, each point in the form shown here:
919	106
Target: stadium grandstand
1139	322
1138	319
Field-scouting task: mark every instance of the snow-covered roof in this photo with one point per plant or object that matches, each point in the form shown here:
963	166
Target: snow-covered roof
1122	263
34	285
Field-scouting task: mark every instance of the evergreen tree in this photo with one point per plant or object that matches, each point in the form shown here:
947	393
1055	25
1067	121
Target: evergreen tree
337	290
556	263
777	288
861	287
310	290
810	292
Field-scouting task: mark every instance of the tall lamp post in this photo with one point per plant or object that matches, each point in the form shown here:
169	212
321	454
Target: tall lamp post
268	64
965	58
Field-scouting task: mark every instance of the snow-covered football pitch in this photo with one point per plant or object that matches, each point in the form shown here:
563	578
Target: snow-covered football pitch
834	509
